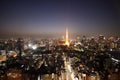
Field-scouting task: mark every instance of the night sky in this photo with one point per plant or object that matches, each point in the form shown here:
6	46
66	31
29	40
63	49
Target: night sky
53	16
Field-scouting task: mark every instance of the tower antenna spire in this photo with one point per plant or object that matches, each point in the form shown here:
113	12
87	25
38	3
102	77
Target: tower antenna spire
67	38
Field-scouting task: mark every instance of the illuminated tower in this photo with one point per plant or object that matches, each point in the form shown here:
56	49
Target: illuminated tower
66	38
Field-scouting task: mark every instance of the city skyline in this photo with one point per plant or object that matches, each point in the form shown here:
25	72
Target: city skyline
36	17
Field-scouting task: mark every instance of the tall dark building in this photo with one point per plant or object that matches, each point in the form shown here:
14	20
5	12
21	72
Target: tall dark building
20	44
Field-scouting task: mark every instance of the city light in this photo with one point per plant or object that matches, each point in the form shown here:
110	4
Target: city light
115	60
67	38
34	47
29	45
59	40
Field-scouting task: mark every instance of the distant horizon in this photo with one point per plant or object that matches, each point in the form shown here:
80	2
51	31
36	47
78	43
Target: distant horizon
52	35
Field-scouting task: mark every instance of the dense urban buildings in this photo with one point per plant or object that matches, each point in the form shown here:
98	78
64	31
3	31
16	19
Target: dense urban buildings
83	58
59	40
